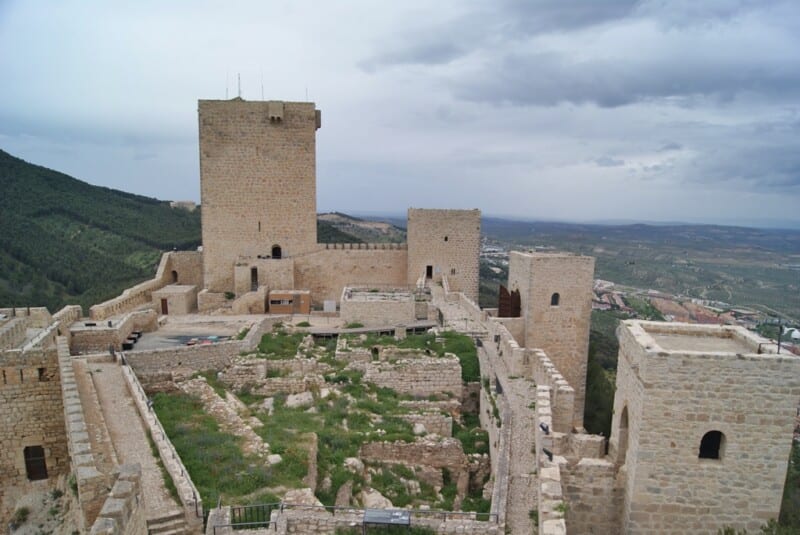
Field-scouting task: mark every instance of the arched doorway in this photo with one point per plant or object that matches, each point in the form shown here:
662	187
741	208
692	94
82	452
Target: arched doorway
276	252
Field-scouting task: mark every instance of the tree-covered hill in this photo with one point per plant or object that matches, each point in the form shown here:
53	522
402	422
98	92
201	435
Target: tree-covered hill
65	241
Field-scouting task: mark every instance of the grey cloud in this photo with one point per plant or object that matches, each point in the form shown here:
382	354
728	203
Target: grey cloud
547	79
670	146
607	161
432	52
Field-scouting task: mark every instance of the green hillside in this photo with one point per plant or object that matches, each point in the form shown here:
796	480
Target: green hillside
65	241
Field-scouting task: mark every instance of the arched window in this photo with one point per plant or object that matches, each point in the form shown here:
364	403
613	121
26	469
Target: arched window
35	466
174	276
712	445
554	299
276	251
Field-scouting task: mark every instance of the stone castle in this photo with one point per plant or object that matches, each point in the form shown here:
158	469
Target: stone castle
703	415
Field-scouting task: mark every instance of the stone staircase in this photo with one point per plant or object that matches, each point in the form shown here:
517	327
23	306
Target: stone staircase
173	523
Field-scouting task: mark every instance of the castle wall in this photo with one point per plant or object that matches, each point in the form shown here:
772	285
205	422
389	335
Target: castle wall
561	330
672	398
32	414
450	242
326	272
273	274
257	182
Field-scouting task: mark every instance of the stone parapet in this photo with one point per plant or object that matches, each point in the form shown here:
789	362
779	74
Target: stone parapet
123	510
187	492
92	483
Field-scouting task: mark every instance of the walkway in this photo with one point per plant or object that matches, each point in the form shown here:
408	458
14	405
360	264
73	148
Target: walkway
520	394
130	438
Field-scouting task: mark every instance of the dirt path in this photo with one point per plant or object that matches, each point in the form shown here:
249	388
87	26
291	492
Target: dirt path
129	437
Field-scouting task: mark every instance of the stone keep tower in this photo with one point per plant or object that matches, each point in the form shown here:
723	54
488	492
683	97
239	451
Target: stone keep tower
257	182
556	303
445	242
702	427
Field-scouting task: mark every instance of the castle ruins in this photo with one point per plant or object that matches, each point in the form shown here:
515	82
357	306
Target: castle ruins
703	415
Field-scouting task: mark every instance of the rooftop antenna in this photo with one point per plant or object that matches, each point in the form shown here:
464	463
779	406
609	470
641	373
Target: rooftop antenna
262	85
306	93
227	76
239	77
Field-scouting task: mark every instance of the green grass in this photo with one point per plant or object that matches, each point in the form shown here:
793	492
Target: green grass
279	345
212	380
213	458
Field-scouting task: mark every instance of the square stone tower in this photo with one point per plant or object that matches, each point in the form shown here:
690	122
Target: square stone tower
445	242
257	182
556	302
702	427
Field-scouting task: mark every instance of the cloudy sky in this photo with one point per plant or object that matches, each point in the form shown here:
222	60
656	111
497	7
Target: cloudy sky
662	110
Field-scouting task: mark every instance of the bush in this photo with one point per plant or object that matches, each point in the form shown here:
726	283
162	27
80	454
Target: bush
354	325
21	515
304	324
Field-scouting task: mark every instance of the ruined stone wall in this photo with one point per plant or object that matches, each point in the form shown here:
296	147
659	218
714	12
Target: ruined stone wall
670	399
195	358
420	377
257	182
434	422
449	241
326	272
32	414
562	329
445	453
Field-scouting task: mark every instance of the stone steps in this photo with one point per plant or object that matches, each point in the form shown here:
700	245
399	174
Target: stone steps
172	523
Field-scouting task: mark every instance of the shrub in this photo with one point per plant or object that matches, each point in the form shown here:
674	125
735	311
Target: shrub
304	324
21	515
354	325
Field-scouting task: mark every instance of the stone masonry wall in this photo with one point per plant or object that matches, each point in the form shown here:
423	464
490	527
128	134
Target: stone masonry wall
257	182
326	272
434	422
32	414
378	313
123	510
448	240
419	377
670	400
561	330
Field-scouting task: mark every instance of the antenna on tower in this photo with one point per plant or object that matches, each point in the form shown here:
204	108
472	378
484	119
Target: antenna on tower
239	77
262	85
227	76
306	93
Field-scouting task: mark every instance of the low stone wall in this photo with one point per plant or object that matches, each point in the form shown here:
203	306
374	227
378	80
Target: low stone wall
434	422
419	377
99	338
444	453
187	492
194	358
38	317
377	312
92	484
123	511
450	406
289	385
